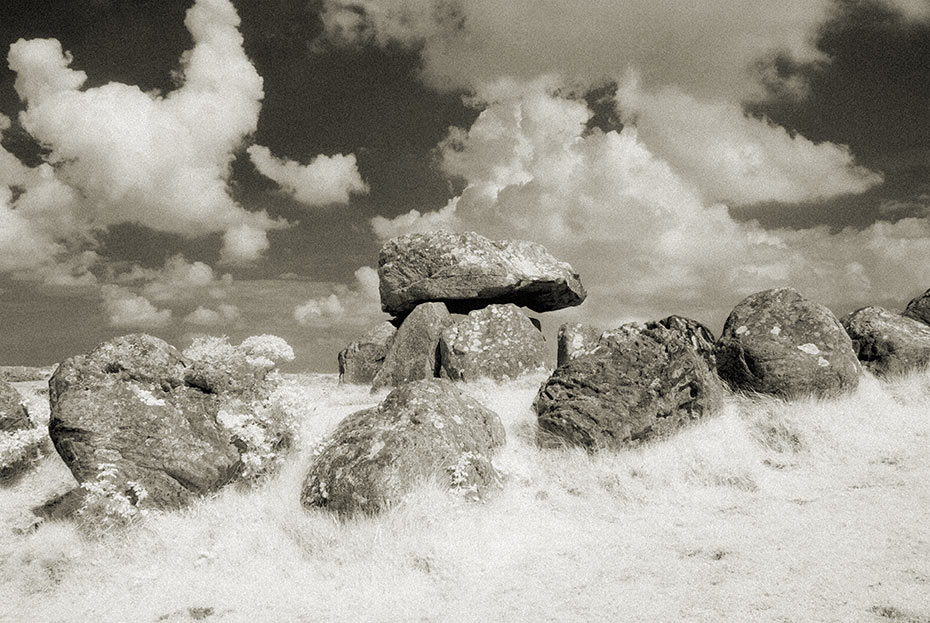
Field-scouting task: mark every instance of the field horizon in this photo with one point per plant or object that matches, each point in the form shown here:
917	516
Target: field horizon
812	510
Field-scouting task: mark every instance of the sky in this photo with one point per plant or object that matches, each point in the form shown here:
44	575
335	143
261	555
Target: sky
232	167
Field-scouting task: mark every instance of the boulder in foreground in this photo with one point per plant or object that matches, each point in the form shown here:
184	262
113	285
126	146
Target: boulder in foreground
426	429
497	342
467	271
641	382
134	415
887	343
778	342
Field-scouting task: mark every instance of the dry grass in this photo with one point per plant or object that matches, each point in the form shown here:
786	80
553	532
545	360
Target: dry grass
811	511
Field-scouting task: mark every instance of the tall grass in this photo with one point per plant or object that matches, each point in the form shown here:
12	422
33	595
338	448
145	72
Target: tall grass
808	511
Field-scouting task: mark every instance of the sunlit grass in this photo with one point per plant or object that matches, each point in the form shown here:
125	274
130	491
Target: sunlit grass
808	511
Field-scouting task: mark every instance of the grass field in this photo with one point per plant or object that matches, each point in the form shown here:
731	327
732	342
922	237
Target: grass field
809	511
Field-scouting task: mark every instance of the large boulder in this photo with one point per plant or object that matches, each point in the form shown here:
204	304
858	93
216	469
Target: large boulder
641	382
13	415
574	340
414	352
887	343
424	430
919	308
138	412
778	342
577	339
361	360
497	342
467	271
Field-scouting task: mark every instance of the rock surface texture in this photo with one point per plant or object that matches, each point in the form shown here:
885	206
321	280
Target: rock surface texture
361	360
887	343
575	340
467	271
135	405
642	381
496	342
778	342
414	351
13	415
919	308
427	429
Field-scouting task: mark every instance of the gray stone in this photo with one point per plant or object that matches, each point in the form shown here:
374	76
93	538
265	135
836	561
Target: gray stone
919	308
497	342
13	415
887	343
414	351
575	340
641	382
361	360
424	430
778	342
136	403
467	271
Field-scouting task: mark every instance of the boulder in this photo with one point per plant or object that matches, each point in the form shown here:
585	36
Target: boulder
414	352
497	342
919	308
579	339
575	340
467	271
641	382
424	430
136	408
887	343
778	342
360	361
13	415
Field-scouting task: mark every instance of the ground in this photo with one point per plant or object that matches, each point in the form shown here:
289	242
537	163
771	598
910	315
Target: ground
770	511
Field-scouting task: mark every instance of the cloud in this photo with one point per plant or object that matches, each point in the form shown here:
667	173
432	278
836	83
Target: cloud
914	10
325	180
355	306
177	280
739	159
116	154
128	310
646	239
703	47
209	317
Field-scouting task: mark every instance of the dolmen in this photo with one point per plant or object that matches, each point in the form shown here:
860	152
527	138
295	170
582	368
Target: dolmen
425	278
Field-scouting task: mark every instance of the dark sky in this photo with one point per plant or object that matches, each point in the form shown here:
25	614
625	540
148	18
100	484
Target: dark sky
651	193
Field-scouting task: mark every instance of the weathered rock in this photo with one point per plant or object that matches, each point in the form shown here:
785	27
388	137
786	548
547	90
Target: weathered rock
699	336
641	382
135	403
467	271
575	340
778	342
13	415
16	374
888	343
497	342
361	360
424	430
414	352
919	308
579	339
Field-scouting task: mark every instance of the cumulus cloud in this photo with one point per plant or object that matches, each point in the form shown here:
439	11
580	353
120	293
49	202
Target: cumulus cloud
736	158
116	154
325	180
177	280
705	47
126	309
203	316
357	305
645	238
